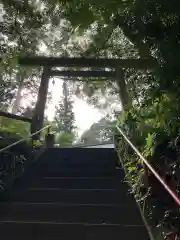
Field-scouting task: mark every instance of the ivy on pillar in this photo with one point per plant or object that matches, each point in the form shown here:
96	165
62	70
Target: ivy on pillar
38	116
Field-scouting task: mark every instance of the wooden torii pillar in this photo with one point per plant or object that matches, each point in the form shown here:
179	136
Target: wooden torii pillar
38	115
116	73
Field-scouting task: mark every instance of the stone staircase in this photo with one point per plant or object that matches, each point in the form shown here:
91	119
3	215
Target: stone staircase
74	193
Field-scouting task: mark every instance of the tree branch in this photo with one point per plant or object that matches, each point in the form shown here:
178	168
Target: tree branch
135	38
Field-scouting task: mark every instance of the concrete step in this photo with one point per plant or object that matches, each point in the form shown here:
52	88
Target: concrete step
73	163
80	172
80	156
72	183
56	231
70	167
70	213
87	196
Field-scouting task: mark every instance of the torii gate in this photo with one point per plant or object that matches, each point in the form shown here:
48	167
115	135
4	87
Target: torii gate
116	73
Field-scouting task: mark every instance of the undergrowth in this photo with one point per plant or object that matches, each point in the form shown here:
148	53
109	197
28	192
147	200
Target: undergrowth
155	133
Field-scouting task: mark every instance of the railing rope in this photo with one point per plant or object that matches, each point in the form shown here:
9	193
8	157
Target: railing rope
24	139
173	194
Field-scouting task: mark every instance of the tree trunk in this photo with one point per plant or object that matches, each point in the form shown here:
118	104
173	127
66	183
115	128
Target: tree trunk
17	102
20	79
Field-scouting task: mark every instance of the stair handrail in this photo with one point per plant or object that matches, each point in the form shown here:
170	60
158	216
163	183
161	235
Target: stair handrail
145	161
24	139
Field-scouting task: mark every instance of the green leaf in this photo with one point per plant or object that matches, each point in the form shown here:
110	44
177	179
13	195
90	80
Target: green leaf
149	140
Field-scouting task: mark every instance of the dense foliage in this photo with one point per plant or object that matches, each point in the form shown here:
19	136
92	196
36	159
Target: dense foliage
13	161
160	145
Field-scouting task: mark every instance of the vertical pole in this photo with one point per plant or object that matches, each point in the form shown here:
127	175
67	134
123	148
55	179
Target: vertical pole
38	116
123	93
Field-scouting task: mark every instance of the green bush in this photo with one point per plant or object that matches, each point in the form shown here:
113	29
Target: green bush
16	127
12	160
154	130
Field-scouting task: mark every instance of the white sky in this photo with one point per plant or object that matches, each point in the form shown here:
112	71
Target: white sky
85	115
